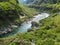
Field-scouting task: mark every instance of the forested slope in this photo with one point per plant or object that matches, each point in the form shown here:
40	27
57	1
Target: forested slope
48	32
10	11
46	1
10	14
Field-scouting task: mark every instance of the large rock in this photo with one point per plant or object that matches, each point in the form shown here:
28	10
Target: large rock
34	24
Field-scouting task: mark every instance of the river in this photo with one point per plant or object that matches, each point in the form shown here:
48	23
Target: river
27	24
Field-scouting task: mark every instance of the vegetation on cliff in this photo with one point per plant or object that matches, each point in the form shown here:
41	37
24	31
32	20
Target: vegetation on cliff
48	33
11	10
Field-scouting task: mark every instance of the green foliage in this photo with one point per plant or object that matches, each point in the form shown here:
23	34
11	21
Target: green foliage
58	38
46	1
10	12
48	33
58	30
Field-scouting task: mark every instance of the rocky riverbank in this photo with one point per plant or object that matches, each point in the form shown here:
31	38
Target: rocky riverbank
24	26
7	29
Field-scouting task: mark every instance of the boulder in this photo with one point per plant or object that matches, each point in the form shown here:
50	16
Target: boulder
34	24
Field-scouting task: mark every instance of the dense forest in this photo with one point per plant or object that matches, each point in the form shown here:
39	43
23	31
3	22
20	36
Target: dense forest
10	14
48	30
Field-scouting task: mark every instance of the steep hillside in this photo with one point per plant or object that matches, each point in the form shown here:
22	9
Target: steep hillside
10	10
10	14
48	32
46	1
